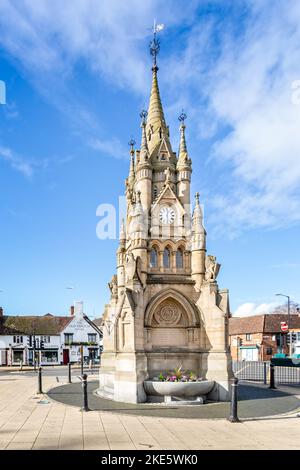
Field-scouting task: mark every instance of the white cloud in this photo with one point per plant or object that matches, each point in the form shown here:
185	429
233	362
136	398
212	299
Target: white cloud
106	35
237	75
16	161
250	308
112	148
48	42
234	74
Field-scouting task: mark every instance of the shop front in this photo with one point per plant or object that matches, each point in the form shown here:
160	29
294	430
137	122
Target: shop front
17	356
49	356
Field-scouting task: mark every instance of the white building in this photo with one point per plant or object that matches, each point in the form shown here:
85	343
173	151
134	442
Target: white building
63	337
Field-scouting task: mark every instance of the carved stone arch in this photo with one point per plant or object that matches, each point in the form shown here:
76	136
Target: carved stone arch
180	244
169	244
188	308
154	244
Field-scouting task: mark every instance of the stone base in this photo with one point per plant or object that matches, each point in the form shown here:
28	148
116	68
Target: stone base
176	401
122	375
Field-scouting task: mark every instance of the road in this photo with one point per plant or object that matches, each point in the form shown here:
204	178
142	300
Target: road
51	371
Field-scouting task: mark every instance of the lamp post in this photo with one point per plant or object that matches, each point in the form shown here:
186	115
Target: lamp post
289	318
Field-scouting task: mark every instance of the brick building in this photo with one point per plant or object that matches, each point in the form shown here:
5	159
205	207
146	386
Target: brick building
259	337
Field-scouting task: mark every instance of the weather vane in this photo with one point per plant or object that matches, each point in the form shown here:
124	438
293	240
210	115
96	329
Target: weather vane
131	143
182	117
143	115
155	43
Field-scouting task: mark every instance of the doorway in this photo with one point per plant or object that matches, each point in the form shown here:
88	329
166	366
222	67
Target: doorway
66	356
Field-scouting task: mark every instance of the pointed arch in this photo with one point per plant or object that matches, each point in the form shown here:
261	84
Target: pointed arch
189	308
179	258
153	257
167	257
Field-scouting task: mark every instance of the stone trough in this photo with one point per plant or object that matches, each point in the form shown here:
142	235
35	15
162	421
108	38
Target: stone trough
178	393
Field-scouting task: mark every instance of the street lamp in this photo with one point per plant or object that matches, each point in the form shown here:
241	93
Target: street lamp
289	317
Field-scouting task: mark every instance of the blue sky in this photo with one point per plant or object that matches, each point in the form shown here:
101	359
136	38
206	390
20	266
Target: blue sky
76	81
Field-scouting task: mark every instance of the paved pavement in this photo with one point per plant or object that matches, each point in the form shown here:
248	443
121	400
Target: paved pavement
56	371
254	401
29	421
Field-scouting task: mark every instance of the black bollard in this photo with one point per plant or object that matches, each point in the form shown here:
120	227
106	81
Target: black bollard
85	395
69	373
265	373
233	418
81	359
272	376
40	390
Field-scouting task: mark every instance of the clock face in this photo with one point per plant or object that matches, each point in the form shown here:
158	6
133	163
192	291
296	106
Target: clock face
167	215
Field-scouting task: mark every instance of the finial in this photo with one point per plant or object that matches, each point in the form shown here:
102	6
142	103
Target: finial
197	195
182	117
155	43
131	143
143	116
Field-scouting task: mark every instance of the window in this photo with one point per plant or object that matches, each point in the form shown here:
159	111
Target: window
248	336
49	356
179	258
68	338
46	339
17	356
153	258
18	339
166	258
155	192
92	338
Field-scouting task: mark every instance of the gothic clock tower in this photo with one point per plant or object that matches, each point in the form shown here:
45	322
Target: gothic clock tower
166	309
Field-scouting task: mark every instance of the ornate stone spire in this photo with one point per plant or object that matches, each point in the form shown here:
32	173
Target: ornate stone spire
183	158
144	151
197	213
198	230
131	176
156	124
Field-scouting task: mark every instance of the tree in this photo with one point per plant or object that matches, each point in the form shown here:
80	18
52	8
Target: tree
294	308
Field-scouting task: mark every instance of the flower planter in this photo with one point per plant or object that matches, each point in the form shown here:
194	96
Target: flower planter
178	391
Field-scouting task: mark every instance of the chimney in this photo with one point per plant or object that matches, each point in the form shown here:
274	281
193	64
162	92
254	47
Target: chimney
79	308
72	310
1	312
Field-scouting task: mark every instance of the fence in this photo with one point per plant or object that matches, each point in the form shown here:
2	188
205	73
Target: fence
258	371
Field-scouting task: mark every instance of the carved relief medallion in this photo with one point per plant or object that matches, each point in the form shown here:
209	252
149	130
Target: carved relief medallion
168	314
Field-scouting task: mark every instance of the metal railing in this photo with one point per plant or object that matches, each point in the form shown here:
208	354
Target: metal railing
259	371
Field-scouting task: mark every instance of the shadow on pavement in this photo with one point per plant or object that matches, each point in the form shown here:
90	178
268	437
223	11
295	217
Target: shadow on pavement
255	401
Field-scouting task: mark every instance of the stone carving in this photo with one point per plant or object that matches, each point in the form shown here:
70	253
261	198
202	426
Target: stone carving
130	266
169	314
212	268
168	175
113	286
133	268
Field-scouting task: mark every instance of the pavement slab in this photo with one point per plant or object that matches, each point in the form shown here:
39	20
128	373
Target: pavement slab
25	424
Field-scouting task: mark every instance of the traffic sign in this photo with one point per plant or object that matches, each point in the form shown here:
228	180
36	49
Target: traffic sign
284	327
